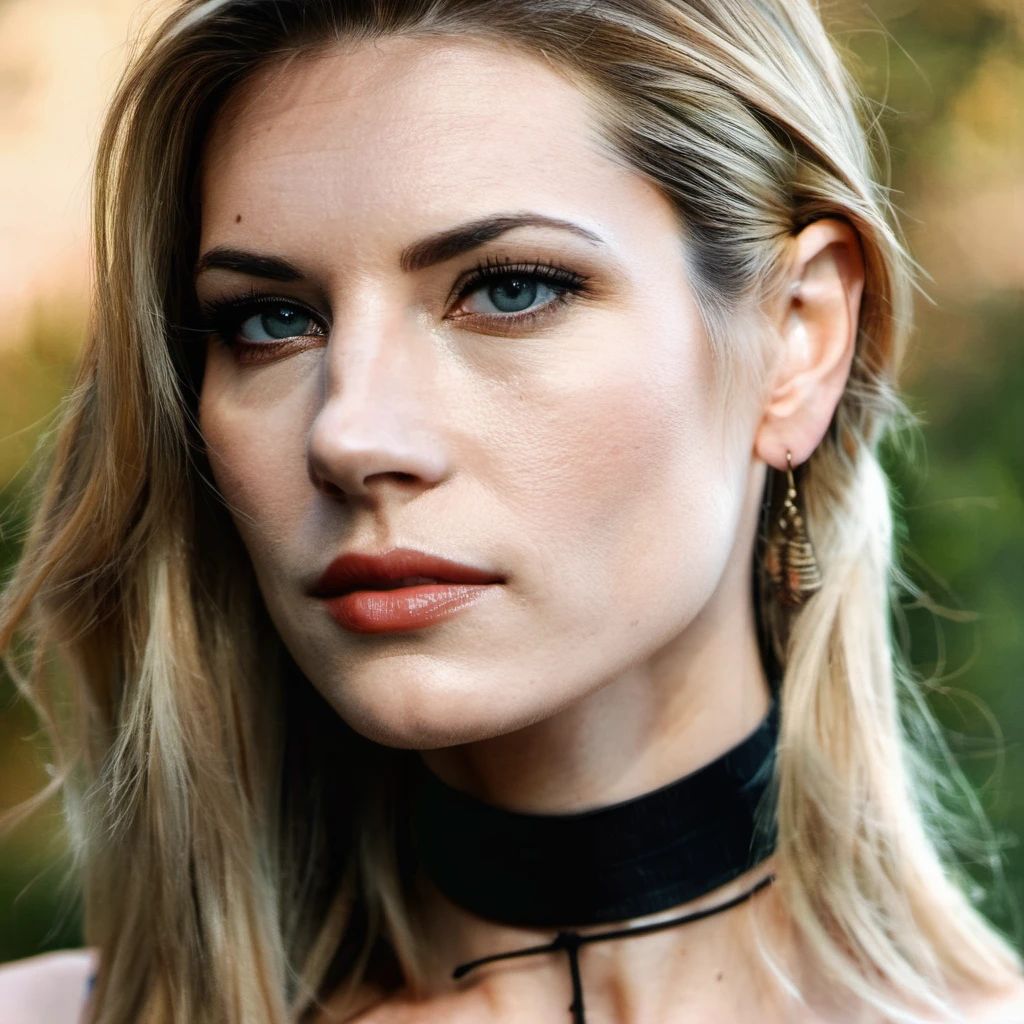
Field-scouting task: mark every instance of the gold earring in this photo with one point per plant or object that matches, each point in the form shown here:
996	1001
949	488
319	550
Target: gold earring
789	559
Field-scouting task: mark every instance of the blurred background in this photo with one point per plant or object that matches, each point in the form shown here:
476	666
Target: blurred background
947	78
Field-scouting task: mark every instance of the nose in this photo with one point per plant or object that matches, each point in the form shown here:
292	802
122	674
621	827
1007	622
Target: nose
377	426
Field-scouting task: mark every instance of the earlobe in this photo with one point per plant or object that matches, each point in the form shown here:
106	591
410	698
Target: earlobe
816	331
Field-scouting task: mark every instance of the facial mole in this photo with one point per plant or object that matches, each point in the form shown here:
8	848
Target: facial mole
238	219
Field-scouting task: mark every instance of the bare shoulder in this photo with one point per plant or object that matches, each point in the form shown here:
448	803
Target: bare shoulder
1004	1007
48	987
379	1007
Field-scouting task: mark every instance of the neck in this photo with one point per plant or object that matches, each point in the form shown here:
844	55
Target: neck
641	731
708	970
651	724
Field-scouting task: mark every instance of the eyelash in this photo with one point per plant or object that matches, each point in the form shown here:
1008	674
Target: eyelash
569	283
223	317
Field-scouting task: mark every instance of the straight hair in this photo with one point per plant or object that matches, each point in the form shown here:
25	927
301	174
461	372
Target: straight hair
243	852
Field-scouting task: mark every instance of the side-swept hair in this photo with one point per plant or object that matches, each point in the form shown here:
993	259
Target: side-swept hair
243	851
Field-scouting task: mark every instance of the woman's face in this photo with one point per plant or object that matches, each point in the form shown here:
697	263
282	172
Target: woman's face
557	432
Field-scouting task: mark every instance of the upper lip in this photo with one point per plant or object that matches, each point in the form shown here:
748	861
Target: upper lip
356	570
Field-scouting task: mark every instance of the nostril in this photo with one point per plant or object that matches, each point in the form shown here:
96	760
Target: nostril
343	469
329	488
395	475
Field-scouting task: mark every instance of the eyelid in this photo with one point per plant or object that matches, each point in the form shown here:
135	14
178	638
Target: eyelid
569	286
496	267
236	305
224	316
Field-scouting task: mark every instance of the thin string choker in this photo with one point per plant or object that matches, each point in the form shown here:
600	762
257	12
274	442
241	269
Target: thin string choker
630	859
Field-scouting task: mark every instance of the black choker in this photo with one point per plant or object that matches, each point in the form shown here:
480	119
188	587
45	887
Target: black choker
613	863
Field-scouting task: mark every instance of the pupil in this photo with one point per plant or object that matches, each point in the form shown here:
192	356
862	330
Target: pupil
284	323
514	294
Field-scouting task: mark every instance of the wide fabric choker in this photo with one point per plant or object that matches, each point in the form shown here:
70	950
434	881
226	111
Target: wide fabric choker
613	863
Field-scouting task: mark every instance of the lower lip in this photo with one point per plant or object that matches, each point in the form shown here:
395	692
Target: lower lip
395	611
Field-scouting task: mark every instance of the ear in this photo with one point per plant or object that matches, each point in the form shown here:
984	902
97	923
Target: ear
816	327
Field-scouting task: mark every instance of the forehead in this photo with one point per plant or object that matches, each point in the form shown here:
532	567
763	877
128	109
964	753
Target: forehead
412	128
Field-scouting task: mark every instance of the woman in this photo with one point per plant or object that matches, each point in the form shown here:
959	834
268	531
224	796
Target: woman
466	535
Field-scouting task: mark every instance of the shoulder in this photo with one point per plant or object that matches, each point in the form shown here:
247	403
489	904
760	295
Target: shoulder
380	1007
50	987
1005	1007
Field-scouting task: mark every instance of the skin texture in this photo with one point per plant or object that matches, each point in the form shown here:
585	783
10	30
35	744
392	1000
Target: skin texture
579	456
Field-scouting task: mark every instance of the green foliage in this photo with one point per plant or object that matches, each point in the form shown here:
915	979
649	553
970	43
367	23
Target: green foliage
38	911
964	516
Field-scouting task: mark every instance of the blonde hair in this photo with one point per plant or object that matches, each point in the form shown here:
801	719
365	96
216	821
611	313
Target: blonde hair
242	849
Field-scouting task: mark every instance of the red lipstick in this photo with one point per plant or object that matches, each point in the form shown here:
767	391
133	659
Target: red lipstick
398	590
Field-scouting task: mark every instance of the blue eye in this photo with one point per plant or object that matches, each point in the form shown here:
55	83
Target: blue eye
258	322
518	293
515	293
502	295
275	324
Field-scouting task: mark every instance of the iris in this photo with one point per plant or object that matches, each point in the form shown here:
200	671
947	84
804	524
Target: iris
275	324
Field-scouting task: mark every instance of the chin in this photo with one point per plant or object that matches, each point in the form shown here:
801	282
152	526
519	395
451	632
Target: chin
419	714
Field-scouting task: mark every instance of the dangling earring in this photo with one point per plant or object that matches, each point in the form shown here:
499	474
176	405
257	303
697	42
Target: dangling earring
789	559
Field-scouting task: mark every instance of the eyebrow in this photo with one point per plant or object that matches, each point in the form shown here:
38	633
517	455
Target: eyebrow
224	257
445	245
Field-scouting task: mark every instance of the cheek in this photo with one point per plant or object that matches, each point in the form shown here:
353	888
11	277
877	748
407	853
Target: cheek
255	444
631	492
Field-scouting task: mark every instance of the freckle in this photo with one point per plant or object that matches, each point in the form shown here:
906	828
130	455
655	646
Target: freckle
718	976
238	219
